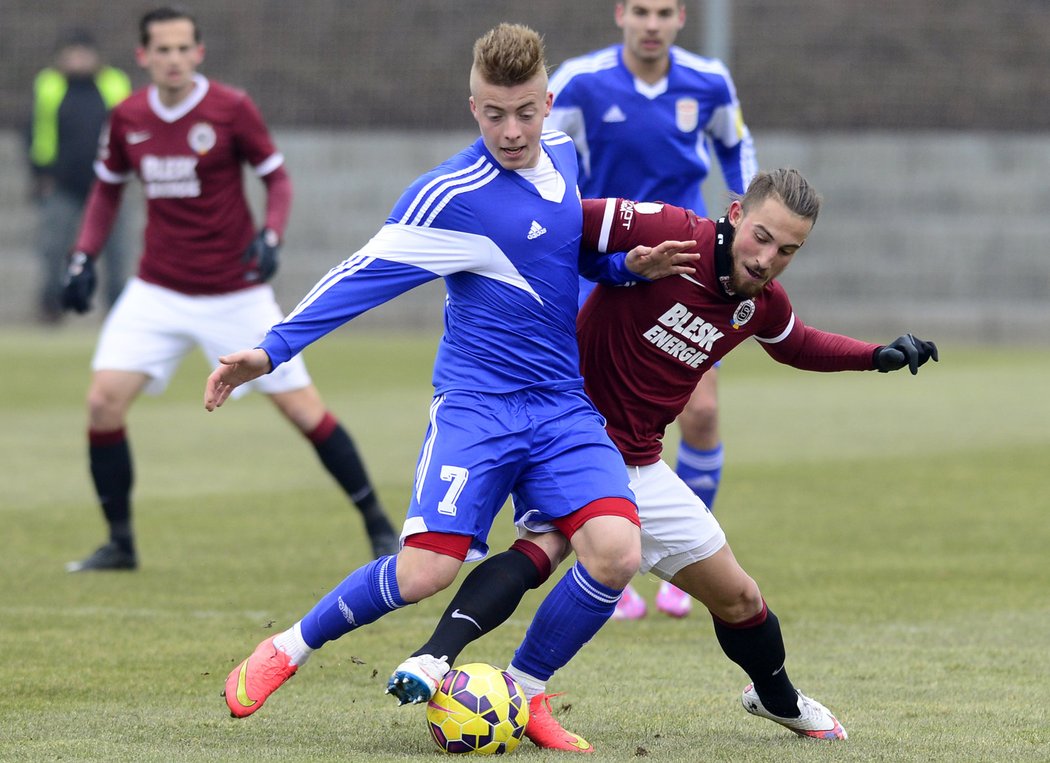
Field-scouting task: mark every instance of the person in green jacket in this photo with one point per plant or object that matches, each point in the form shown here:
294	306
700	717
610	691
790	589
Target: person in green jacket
71	102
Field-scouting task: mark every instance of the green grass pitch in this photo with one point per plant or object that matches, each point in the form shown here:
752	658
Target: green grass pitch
898	526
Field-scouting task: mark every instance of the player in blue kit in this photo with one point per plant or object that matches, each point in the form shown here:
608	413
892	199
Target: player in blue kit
501	222
642	350
646	116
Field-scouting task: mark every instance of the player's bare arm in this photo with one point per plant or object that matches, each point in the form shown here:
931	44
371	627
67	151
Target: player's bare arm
666	259
234	370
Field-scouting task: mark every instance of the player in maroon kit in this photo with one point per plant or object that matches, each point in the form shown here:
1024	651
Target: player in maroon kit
201	279
642	350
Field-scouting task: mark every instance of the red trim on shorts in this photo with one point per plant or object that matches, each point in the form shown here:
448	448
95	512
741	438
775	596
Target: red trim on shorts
100	439
751	622
536	555
324	429
603	507
446	544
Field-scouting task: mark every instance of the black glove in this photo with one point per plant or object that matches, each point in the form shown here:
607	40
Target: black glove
262	253
80	283
904	351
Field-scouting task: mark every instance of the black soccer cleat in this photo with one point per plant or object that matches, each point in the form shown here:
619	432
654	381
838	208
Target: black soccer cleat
107	557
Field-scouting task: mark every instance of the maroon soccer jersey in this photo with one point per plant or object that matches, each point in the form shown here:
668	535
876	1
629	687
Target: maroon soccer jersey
189	161
644	347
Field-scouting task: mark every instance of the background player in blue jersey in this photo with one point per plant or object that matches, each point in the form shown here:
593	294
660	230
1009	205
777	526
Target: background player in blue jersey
501	222
645	116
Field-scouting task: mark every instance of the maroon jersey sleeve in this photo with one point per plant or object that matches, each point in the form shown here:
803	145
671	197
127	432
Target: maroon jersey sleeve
258	149
619	225
811	349
253	139
99	214
113	169
278	200
112	165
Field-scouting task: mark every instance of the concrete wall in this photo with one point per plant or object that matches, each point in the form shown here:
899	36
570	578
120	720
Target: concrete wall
943	234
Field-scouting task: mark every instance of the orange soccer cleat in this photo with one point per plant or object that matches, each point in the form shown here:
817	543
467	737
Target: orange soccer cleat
255	679
546	732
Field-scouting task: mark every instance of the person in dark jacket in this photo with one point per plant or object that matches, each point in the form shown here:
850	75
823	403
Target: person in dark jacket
71	103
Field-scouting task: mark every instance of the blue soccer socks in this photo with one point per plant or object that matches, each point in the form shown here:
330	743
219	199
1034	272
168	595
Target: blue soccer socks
575	609
363	597
701	470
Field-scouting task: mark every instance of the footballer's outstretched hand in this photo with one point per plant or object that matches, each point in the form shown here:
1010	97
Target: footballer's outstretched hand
234	370
262	254
666	259
907	350
80	283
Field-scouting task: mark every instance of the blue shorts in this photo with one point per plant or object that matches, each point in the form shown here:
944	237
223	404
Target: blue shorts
546	449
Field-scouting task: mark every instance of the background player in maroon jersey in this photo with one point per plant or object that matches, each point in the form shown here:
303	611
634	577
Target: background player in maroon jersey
201	278
642	350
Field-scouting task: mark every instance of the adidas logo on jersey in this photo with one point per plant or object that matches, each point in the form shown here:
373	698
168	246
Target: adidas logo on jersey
536	230
614	114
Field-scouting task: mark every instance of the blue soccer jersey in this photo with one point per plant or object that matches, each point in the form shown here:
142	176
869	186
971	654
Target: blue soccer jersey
509	415
651	142
510	259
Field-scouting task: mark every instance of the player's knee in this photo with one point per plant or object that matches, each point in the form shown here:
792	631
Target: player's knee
106	411
699	419
422	573
419	584
614	564
738	602
607	541
303	407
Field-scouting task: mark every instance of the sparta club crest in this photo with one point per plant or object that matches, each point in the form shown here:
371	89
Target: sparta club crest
202	138
745	311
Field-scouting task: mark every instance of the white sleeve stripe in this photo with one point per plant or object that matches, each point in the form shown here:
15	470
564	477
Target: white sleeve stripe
491	175
423	193
699	63
556	138
782	335
607	221
335	275
108	176
269	165
604	59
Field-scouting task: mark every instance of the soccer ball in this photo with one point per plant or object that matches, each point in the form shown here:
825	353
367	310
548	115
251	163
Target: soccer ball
478	709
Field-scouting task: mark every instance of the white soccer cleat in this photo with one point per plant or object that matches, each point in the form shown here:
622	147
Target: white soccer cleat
416	679
814	721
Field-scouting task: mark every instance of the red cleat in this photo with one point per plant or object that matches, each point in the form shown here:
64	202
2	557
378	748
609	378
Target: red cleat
546	732
255	679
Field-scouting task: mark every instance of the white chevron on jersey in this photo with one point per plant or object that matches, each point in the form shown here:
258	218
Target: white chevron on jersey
438	251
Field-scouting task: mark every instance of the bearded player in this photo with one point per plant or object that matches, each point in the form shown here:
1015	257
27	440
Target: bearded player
642	350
